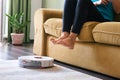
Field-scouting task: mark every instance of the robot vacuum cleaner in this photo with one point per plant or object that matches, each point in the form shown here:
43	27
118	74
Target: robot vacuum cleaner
36	61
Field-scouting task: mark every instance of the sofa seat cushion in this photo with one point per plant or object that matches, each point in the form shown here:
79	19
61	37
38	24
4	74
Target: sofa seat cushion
53	26
107	32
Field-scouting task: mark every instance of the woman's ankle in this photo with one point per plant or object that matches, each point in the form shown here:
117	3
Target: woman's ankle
73	36
64	34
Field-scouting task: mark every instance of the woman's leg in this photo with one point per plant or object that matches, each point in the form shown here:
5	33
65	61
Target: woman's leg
68	17
68	14
85	11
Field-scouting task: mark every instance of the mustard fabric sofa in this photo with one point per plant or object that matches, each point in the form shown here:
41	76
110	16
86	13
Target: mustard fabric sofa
97	47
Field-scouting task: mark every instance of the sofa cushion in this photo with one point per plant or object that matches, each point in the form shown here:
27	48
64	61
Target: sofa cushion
53	26
107	32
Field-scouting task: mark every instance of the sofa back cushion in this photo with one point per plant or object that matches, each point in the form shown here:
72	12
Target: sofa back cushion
107	32
53	26
86	32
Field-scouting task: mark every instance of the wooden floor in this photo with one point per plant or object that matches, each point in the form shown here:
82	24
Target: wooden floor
11	52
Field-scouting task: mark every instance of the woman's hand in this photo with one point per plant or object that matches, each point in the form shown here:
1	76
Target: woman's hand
105	2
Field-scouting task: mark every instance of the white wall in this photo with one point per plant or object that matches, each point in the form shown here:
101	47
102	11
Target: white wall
55	4
35	4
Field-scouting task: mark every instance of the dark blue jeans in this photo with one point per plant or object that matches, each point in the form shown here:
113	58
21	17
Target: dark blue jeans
77	12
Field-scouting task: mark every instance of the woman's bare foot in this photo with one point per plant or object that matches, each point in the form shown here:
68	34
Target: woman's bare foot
63	36
69	41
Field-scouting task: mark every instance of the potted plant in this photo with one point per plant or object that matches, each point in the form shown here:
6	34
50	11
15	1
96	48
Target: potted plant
17	24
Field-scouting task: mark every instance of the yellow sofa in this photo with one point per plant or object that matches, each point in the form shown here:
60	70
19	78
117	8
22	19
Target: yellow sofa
96	48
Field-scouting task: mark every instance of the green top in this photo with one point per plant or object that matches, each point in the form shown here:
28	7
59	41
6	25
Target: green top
106	10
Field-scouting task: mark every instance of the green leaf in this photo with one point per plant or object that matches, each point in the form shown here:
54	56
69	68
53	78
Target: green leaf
16	22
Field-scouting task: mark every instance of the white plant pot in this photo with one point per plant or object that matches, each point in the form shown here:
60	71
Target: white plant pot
17	39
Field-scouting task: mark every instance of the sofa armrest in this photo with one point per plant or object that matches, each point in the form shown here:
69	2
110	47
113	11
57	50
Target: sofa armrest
49	13
40	17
